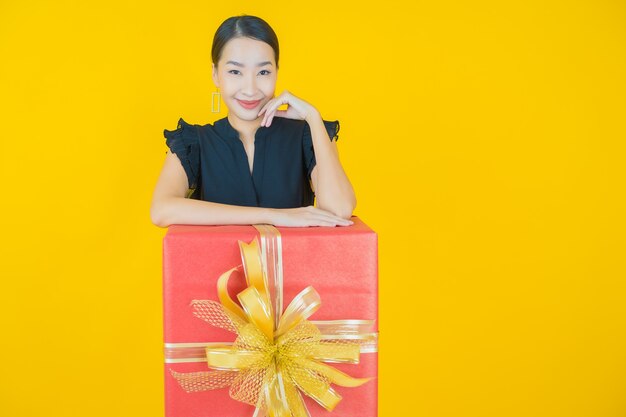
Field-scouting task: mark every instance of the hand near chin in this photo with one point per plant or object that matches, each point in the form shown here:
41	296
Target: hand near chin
297	108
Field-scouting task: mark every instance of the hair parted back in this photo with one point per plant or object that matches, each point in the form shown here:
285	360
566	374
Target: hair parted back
243	26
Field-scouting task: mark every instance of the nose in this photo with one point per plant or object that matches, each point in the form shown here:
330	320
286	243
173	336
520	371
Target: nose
249	86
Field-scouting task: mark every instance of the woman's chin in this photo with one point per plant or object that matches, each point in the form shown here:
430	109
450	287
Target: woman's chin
249	116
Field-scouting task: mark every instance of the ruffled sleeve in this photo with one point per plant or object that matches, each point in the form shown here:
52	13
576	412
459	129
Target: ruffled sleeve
185	143
332	127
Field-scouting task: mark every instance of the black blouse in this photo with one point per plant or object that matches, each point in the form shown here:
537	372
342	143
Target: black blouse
217	167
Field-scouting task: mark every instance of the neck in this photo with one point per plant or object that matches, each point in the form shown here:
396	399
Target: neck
246	128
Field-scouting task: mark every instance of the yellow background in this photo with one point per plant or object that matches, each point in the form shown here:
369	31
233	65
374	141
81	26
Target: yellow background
485	142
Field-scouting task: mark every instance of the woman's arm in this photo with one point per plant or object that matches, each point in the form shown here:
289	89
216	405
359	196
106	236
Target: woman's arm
181	210
169	206
333	190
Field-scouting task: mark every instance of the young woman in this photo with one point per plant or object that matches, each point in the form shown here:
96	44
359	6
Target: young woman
259	164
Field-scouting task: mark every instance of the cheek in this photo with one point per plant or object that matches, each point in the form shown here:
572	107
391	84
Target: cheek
268	87
228	92
228	85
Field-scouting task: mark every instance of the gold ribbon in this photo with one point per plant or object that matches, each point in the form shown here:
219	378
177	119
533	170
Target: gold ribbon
275	357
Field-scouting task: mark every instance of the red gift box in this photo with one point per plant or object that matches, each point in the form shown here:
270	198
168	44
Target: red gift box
340	263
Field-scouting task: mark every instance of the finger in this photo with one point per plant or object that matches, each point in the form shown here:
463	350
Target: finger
271	103
264	121
276	113
338	219
280	113
322	223
275	104
267	110
265	107
268	117
332	218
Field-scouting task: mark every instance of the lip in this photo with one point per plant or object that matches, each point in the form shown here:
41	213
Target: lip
249	104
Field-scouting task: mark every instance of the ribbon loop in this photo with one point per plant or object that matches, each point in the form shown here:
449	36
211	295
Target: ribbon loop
301	308
257	310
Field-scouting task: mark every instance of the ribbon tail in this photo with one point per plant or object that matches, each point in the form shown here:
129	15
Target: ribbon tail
294	399
317	388
334	375
203	381
275	397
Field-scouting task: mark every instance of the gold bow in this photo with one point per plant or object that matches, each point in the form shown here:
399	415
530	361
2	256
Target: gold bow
275	357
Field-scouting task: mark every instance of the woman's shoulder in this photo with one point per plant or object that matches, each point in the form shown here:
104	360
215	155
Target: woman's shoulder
184	142
184	125
190	132
302	126
183	133
332	128
182	129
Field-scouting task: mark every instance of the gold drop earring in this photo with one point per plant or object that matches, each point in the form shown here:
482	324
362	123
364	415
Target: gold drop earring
216	96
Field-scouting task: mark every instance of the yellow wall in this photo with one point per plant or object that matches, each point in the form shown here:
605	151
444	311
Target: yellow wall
485	142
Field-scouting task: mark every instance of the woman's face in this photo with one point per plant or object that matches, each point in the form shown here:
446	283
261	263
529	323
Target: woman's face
246	71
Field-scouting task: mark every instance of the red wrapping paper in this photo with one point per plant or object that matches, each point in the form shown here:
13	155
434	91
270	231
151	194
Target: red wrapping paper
340	262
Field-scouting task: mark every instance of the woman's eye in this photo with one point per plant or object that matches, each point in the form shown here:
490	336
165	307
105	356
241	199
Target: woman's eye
234	71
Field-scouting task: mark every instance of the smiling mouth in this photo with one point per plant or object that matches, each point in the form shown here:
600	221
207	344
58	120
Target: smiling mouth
249	104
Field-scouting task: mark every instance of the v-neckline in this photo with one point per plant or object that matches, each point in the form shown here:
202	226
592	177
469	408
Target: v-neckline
251	171
260	133
254	176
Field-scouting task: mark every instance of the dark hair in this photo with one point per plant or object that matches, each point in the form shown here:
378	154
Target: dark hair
243	26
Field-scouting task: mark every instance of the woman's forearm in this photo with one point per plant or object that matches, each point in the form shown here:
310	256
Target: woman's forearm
333	190
180	210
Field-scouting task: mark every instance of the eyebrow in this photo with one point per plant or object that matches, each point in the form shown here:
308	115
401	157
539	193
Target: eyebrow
239	64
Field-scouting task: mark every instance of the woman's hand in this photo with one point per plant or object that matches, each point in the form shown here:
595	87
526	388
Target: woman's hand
296	108
306	216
